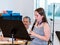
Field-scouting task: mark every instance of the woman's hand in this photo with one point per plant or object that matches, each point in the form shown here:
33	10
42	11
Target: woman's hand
32	33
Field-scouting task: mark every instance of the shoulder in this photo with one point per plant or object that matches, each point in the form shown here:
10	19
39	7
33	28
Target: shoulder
46	25
46	28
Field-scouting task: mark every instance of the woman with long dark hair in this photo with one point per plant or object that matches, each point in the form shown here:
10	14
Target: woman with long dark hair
41	30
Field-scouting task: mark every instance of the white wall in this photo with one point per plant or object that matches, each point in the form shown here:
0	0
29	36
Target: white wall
25	7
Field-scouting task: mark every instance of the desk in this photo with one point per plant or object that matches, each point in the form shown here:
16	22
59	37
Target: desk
15	42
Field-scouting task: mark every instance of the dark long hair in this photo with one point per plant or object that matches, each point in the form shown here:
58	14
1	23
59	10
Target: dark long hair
42	13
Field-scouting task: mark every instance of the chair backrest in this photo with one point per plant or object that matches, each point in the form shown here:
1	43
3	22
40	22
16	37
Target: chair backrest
58	34
49	41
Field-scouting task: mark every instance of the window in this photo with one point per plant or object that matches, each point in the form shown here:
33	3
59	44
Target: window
49	6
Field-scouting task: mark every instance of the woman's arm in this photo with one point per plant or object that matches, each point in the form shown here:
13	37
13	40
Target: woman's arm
46	33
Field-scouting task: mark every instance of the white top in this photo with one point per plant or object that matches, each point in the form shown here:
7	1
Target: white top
29	29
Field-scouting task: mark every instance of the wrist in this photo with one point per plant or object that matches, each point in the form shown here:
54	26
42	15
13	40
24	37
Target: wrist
36	35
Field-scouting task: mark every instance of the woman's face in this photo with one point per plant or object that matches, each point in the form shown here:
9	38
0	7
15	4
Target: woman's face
38	17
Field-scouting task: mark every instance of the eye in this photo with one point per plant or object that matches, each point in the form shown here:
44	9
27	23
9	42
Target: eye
36	15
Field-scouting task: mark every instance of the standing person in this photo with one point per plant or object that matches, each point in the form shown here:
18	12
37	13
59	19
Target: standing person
41	30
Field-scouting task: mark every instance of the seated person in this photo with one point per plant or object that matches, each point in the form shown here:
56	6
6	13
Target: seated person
27	23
